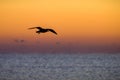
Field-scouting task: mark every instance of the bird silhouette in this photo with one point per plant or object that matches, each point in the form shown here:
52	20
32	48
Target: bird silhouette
42	30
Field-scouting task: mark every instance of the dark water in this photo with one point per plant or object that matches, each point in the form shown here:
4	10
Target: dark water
59	67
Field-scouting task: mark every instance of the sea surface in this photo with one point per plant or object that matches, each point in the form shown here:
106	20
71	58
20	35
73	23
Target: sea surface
59	66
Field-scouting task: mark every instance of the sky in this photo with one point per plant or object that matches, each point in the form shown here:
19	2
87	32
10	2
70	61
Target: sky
83	26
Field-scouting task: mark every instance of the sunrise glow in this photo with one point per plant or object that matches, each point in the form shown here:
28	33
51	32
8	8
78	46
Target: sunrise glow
80	24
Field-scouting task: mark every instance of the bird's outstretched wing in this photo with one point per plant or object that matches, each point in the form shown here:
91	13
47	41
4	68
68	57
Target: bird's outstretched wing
52	31
35	28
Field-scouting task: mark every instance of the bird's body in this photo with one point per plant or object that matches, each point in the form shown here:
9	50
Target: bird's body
42	30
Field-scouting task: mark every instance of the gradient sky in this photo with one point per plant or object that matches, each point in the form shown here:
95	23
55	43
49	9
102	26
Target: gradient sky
82	26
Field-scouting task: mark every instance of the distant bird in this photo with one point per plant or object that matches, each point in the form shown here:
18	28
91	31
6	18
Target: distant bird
19	41
42	30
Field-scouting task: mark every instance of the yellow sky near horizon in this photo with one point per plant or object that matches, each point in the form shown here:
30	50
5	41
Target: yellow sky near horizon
72	19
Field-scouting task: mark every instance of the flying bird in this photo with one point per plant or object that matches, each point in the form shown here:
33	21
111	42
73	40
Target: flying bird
42	30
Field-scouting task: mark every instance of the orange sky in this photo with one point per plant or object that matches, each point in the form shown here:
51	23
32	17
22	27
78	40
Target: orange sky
80	22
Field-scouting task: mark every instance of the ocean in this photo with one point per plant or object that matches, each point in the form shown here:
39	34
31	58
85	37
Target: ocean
59	66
